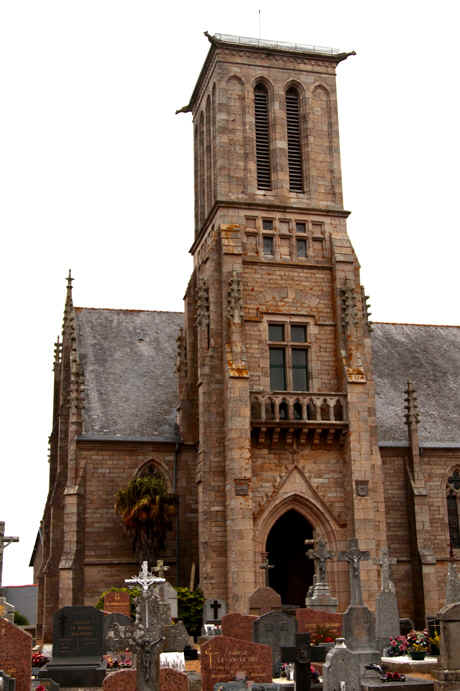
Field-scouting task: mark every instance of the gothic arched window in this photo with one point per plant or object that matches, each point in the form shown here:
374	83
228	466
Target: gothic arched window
262	123
294	140
453	498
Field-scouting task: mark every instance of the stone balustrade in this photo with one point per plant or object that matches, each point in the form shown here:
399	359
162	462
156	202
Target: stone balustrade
296	407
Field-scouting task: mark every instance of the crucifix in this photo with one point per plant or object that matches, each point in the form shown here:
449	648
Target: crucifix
354	556
300	655
385	562
266	566
4	542
321	554
144	637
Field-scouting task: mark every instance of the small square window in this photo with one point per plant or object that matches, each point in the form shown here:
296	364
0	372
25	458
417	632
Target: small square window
300	228
301	248
276	332
267	224
298	333
268	245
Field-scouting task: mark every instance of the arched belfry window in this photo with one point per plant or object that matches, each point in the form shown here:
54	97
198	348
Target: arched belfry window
294	140
262	122
453	492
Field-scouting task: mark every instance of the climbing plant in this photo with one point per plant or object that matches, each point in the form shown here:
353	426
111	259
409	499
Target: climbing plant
147	508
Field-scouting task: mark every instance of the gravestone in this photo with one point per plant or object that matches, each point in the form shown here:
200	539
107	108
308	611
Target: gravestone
275	629
172	680
174	660
238	625
168	594
222	657
16	654
111	642
264	600
7	683
123	680
300	655
176	638
117	603
453	585
449	619
213	611
341	667
308	619
386	607
78	646
318	595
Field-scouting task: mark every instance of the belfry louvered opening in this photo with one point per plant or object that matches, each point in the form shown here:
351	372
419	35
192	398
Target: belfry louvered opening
264	174
294	140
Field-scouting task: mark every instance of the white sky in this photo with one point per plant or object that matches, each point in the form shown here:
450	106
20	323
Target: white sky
96	174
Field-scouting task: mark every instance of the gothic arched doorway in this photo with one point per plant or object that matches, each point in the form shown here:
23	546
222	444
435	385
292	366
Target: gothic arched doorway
293	572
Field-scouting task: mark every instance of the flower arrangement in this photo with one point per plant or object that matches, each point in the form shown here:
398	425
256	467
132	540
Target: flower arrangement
435	642
418	642
322	634
397	647
38	659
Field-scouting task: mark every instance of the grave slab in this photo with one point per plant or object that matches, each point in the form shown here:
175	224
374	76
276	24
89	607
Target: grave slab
16	654
78	646
176	638
223	657
275	629
341	666
238	625
111	643
386	618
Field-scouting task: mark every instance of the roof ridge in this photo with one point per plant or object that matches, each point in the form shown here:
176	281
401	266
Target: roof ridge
444	326
125	309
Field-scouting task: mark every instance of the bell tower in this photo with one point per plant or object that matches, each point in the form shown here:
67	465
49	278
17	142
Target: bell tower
274	362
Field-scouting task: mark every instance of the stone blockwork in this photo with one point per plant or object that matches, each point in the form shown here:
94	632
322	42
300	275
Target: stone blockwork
16	654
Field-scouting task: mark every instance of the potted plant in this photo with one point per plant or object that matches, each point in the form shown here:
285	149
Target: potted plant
397	647
321	641
418	644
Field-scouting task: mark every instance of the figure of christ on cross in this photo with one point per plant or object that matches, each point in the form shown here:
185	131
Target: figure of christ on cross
354	556
4	542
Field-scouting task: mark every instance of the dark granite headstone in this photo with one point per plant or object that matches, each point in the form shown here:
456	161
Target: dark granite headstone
275	629
78	646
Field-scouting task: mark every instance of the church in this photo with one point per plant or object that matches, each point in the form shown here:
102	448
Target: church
273	408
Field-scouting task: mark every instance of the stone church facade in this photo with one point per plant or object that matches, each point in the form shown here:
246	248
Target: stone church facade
272	406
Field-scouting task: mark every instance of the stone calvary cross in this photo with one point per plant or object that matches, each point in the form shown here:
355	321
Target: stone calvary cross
4	542
266	566
144	637
354	557
321	554
385	562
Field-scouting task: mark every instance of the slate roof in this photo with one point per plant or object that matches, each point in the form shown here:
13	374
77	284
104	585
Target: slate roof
430	357
129	359
129	364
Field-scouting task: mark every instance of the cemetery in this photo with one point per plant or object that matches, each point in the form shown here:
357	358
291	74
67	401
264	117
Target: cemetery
274	647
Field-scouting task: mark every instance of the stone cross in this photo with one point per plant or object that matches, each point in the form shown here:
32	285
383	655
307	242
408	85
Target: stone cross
320	555
300	655
4	542
215	606
144	637
160	568
385	561
266	566
354	556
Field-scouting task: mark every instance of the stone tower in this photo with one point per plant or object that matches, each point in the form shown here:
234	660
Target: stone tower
274	368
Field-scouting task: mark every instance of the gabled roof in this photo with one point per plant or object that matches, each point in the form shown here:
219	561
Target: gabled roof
129	365
430	357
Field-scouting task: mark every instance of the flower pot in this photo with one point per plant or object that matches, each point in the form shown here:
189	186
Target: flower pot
417	654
